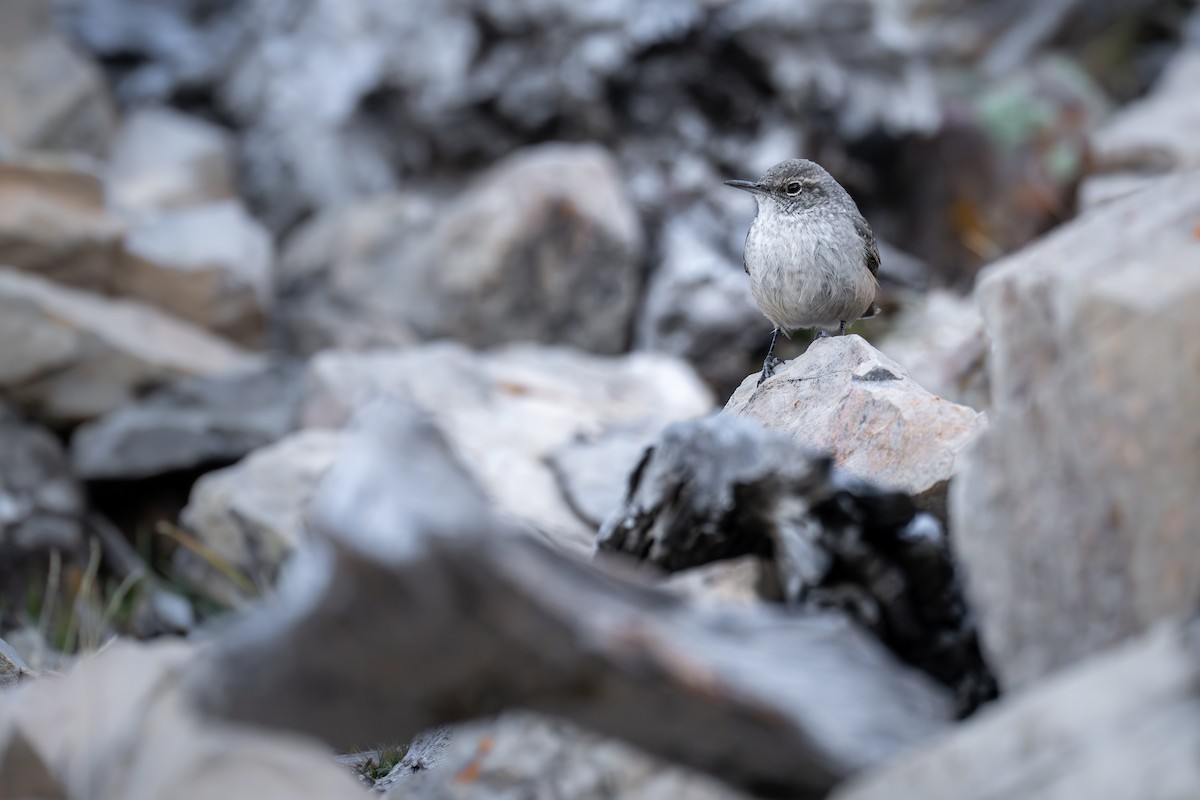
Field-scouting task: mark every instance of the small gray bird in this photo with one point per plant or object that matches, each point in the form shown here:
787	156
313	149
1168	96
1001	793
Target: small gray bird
810	254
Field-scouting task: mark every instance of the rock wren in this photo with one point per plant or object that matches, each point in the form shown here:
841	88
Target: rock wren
810	254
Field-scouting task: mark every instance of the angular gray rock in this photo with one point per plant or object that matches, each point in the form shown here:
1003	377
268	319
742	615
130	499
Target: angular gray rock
190	424
52	97
543	247
1122	725
501	621
13	668
68	356
209	264
540	758
724	487
53	221
41	502
1076	512
508	411
844	398
253	514
593	470
165	159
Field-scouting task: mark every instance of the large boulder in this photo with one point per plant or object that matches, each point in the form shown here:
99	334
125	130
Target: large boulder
845	398
165	159
191	424
68	355
53	221
507	411
52	97
1123	725
1076	512
208	264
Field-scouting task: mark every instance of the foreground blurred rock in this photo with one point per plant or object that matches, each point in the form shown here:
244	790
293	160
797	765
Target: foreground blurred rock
41	502
502	621
193	423
52	97
508	411
724	487
1123	725
71	355
845	398
1076	512
118	727
542	758
543	247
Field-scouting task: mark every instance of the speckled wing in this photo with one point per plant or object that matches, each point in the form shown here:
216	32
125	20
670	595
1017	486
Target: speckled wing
870	248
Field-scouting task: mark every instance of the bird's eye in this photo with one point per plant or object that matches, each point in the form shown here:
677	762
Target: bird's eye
792	189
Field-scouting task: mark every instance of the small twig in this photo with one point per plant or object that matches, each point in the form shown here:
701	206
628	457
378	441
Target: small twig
81	595
53	579
210	556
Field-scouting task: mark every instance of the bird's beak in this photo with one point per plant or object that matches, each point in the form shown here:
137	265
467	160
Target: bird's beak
749	186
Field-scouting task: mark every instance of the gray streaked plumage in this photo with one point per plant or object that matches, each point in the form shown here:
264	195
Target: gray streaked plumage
810	254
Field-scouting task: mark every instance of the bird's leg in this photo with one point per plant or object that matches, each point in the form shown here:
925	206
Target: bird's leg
821	334
842	328
770	362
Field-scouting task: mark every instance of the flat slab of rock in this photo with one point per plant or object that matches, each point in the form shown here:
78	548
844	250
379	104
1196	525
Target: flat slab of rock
190	424
163	159
208	264
1076	513
844	398
1124	725
508	410
254	513
53	222
69	356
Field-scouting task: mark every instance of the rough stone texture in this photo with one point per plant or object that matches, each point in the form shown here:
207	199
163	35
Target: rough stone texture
539	758
742	582
940	341
337	282
544	247
118	727
41	502
846	399
209	264
190	424
164	159
724	487
53	222
254	513
13	668
1123	725
508	410
593	471
52	97
1076	512
68	355
502	621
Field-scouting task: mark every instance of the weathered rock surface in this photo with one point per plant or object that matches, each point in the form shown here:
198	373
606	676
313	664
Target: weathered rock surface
1076	512
1123	725
724	487
164	159
53	221
52	97
940	341
41	502
190	424
539	758
68	355
507	411
337	282
13	668
593	470
502	621
254	513
544	247
846	399
209	264
118	727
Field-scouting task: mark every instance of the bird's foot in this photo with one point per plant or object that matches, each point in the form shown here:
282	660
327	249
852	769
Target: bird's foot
769	367
821	334
842	328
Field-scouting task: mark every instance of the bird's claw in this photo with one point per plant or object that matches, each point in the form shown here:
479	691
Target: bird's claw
769	367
